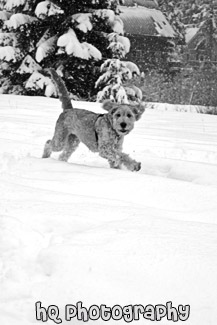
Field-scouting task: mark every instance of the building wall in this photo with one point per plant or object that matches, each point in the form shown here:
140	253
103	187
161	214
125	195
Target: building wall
148	52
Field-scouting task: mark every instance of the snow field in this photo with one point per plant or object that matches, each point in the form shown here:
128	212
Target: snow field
80	231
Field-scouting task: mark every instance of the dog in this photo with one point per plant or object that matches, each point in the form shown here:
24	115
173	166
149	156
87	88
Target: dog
102	133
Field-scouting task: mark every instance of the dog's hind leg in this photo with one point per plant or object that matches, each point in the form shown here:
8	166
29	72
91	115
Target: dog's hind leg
47	149
70	146
52	145
58	141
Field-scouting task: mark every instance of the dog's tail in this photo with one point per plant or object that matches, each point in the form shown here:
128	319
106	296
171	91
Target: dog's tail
61	89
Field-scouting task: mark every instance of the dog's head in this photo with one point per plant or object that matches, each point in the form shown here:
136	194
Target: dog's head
123	116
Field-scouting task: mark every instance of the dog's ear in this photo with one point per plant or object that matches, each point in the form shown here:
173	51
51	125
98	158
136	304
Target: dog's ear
109	106
138	110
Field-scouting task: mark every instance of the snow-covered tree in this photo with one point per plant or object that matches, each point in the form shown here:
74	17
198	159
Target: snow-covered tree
174	14
114	82
194	11
72	36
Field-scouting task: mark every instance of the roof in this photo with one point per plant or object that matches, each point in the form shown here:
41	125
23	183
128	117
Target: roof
144	3
190	33
193	33
144	21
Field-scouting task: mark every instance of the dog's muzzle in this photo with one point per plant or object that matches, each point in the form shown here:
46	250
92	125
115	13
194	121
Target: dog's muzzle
123	129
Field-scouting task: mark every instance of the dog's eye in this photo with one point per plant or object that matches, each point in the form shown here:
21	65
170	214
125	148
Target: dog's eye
118	115
129	115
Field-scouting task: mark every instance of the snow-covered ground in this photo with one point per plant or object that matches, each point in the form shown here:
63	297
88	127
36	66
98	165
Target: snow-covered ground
80	231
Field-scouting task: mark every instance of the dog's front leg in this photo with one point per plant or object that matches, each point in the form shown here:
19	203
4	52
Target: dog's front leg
113	157
116	158
130	163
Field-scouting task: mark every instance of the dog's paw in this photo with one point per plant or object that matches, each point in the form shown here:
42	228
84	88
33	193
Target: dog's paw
136	166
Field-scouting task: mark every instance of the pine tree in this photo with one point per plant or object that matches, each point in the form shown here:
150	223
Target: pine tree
194	11
72	36
115	82
174	14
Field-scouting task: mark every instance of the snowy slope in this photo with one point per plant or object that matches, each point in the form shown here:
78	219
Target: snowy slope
80	231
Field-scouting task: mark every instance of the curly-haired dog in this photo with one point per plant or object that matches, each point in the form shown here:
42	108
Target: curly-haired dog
103	133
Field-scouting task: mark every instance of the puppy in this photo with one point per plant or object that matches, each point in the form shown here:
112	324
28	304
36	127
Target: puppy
102	133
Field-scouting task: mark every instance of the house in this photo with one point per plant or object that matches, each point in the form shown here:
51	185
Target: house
201	41
201	44
149	32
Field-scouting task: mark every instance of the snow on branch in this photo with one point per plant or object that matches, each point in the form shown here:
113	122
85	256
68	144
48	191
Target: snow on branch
118	25
17	20
105	14
5	15
112	82
132	67
114	93
47	8
9	53
38	81
114	37
45	37
72	45
2	4
117	49
8	39
112	65
46	48
10	4
28	66
134	93
83	21
91	52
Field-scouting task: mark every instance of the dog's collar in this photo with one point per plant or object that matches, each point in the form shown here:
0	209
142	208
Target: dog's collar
96	133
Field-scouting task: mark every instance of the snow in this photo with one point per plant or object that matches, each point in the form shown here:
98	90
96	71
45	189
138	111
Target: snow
91	51
47	8
84	50
80	231
134	92
28	65
117	48
8	39
17	20
46	48
115	73
105	14
125	42
10	4
5	15
83	20
70	42
39	81
118	26
44	38
9	53
132	67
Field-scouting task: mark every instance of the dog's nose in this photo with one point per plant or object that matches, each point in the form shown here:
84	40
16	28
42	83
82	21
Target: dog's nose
123	125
